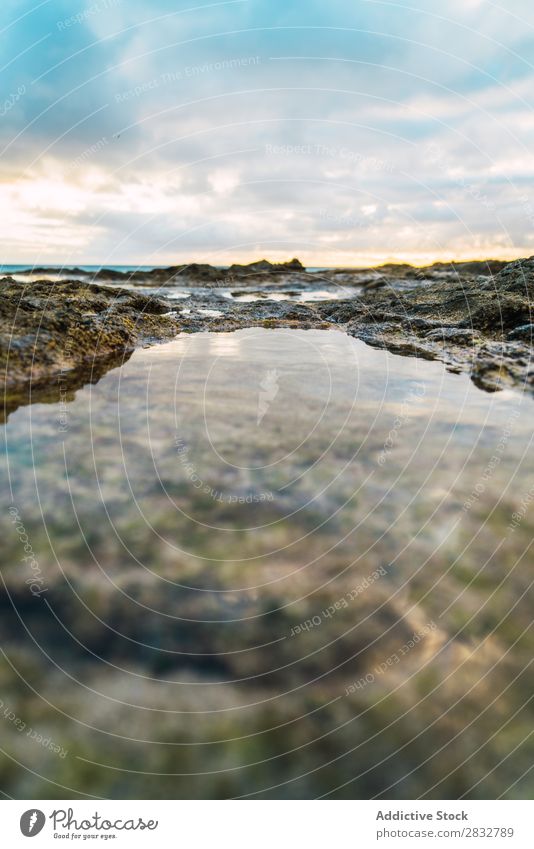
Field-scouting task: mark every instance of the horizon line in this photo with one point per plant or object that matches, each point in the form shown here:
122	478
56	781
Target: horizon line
378	264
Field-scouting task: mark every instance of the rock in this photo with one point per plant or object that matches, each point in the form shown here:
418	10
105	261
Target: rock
453	334
524	332
263	266
479	323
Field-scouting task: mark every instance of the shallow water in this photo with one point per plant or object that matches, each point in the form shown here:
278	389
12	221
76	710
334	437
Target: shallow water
271	563
202	311
251	294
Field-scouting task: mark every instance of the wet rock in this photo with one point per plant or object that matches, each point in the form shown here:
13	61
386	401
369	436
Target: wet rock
471	324
453	334
502	365
238	315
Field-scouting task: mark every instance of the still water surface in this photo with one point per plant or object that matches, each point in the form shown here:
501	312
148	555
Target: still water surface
271	563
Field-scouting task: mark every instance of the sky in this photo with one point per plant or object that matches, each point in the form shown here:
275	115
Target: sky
343	132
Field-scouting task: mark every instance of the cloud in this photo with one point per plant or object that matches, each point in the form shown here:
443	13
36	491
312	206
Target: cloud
341	131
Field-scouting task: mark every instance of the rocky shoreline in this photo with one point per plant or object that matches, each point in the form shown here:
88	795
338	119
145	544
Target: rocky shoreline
475	317
205	275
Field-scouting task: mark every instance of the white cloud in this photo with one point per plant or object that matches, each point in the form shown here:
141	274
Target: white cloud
190	177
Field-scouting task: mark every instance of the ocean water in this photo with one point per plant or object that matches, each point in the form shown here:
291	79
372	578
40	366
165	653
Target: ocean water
26	274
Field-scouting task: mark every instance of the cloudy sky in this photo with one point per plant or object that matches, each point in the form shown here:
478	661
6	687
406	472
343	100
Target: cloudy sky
340	131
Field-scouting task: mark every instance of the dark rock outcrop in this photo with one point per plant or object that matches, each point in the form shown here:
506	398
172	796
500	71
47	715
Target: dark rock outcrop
479	324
